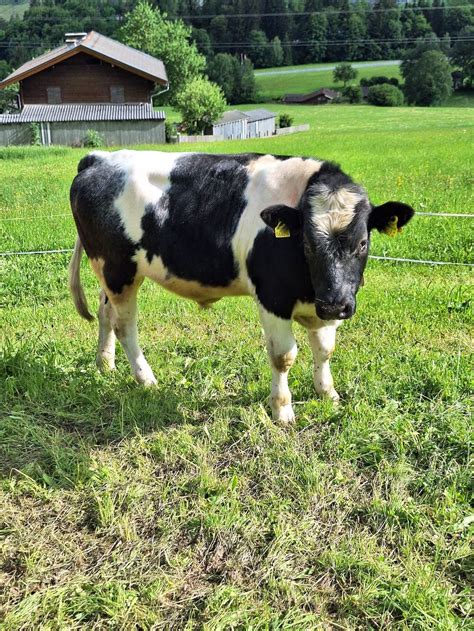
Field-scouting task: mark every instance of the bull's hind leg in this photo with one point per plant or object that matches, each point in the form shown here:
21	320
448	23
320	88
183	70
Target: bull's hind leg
105	359
323	342
281	346
124	322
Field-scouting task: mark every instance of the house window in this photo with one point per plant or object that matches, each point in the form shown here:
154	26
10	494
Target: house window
54	95
117	94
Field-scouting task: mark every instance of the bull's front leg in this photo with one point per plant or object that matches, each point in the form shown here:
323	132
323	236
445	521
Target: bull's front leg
323	343
281	346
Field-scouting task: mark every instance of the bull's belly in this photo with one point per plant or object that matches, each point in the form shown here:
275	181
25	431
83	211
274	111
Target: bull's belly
204	295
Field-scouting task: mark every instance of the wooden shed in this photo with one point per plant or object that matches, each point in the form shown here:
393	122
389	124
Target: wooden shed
318	97
235	124
90	82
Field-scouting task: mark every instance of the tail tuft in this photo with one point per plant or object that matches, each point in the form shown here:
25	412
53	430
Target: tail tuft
75	286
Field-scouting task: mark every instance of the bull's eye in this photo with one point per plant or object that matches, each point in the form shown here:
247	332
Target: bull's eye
362	247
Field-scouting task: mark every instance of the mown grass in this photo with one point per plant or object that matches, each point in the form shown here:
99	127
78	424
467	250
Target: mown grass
186	507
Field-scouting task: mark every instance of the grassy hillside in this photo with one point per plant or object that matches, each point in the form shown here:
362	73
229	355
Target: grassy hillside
273	87
13	9
302	80
185	506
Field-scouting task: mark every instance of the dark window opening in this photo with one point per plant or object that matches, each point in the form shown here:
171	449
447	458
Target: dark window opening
117	94
54	95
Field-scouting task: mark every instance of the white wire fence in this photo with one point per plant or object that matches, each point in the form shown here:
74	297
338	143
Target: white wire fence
378	258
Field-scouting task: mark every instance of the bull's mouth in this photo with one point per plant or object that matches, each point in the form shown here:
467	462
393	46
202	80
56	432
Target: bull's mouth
341	311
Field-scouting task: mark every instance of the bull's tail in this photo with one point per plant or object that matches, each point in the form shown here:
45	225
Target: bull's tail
75	286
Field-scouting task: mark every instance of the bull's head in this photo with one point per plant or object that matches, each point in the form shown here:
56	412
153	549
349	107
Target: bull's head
335	219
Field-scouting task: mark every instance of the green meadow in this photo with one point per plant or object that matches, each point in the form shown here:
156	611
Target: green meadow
10	10
273	87
185	506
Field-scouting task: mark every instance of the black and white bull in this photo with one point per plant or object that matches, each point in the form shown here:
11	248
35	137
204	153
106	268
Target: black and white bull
291	232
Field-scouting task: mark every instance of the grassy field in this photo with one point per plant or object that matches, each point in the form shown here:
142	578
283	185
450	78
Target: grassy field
186	507
273	87
13	9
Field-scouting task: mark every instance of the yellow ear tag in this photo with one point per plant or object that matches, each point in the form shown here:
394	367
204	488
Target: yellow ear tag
391	228
281	230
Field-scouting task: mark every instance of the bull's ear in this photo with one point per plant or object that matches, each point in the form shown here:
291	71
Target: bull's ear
283	220
390	217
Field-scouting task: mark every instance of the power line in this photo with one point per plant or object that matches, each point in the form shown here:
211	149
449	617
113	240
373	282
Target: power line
341	42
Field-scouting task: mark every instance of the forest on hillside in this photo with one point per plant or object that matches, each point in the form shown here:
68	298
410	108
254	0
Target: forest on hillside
268	32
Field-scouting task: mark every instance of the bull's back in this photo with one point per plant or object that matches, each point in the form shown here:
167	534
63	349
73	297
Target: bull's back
169	216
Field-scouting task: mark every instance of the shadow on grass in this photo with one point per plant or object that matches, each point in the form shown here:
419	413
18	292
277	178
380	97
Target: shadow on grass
53	416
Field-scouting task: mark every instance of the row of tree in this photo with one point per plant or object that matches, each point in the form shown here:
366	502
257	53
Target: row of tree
268	32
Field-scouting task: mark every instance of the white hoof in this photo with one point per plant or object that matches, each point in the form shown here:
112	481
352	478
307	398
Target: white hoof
105	363
284	414
145	377
332	395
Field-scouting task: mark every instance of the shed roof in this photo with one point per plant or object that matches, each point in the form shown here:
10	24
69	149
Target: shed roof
231	115
83	112
250	115
259	114
99	46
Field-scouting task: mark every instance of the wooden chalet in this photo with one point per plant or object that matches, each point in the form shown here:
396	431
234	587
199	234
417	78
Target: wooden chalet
318	97
91	82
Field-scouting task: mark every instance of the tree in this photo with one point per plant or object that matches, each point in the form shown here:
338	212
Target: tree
218	29
414	24
411	57
236	79
344	72
258	48
276	56
352	94
462	54
8	99
428	80
385	94
223	70
203	42
245	88
200	103
317	35
351	29
384	28
148	30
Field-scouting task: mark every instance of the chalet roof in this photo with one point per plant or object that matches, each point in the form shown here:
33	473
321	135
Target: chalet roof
250	115
302	98
98	46
83	112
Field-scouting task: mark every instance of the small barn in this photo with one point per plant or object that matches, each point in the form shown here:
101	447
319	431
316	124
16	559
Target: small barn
235	124
91	82
318	97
